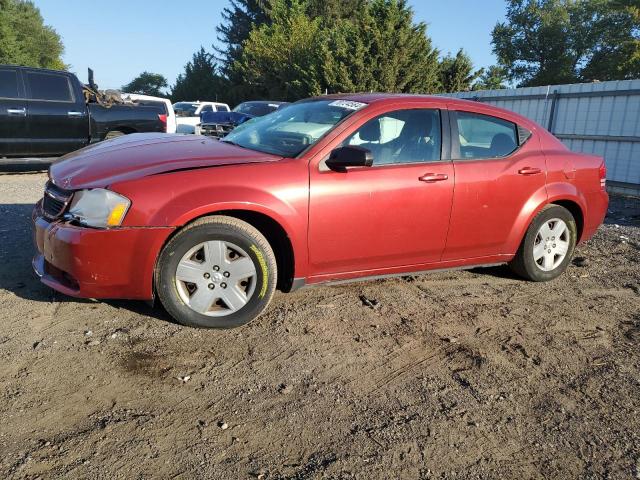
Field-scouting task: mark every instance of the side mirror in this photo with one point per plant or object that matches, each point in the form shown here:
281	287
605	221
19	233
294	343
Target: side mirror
349	156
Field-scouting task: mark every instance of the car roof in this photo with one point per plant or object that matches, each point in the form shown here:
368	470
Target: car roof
265	102
381	98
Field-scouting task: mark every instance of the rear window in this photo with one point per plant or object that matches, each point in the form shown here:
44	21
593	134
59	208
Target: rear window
185	109
161	106
49	86
9	84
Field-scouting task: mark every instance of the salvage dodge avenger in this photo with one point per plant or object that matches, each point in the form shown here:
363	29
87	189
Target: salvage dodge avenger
326	189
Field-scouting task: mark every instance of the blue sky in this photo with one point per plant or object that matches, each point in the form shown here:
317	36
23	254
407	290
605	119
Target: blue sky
119	39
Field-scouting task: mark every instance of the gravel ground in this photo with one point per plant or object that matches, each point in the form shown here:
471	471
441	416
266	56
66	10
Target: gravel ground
449	375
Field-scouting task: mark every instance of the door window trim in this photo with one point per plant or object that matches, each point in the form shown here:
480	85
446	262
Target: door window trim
454	135
445	141
28	87
21	88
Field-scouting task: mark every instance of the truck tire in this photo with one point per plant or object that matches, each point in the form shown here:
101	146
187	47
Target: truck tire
218	272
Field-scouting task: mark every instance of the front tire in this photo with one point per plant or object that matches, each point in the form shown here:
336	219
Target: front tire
218	272
547	248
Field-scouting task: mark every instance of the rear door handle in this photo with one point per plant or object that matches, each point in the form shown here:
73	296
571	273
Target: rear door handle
433	177
74	114
17	111
529	171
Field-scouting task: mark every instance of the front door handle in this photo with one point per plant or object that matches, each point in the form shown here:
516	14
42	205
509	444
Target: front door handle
433	177
74	114
529	171
17	111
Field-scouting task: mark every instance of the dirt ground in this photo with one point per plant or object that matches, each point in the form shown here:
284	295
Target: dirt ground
448	375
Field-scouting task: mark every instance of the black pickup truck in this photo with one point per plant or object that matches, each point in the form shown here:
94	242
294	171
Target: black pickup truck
47	113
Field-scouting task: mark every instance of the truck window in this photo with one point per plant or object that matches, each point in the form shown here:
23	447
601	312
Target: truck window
49	86
9	84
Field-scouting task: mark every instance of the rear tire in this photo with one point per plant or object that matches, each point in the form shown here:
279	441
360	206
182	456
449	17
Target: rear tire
218	272
547	248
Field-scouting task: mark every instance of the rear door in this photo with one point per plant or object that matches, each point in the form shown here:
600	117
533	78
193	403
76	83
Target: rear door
498	172
57	119
14	138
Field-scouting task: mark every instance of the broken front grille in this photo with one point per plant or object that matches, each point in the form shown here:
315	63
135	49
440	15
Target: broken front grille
55	201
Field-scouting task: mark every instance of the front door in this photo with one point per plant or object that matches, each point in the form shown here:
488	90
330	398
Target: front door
14	137
497	172
58	122
392	214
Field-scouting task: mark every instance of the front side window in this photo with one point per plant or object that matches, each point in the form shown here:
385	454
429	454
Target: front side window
9	84
482	136
403	136
49	86
206	108
291	130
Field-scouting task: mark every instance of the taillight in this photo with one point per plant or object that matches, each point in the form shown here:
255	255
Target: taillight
603	175
163	119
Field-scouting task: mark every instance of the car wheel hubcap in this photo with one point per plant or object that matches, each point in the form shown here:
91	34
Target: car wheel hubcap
216	278
551	244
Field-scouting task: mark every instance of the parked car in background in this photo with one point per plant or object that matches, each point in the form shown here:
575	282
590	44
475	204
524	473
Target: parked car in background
327	189
218	124
47	113
188	113
164	104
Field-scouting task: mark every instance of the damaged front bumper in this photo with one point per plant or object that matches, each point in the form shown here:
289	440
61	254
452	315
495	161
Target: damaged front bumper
93	263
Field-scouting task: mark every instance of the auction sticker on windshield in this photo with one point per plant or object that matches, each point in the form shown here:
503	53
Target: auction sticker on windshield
349	105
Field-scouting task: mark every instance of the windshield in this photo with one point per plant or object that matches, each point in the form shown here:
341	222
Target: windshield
185	109
255	109
292	129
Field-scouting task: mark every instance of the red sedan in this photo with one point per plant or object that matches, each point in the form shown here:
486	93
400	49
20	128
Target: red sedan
326	189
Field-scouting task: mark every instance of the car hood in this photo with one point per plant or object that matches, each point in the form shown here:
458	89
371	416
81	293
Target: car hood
143	154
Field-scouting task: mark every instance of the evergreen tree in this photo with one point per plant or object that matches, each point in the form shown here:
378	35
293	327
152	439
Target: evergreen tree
493	78
457	74
293	55
25	39
200	80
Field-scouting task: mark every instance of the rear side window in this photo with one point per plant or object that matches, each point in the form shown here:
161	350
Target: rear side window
483	136
9	84
49	86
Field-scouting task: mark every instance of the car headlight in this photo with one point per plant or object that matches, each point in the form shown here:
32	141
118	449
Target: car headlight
98	207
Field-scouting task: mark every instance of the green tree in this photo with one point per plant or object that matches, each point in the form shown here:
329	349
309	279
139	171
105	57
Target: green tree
282	59
201	80
563	41
457	73
293	54
25	39
147	83
493	78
